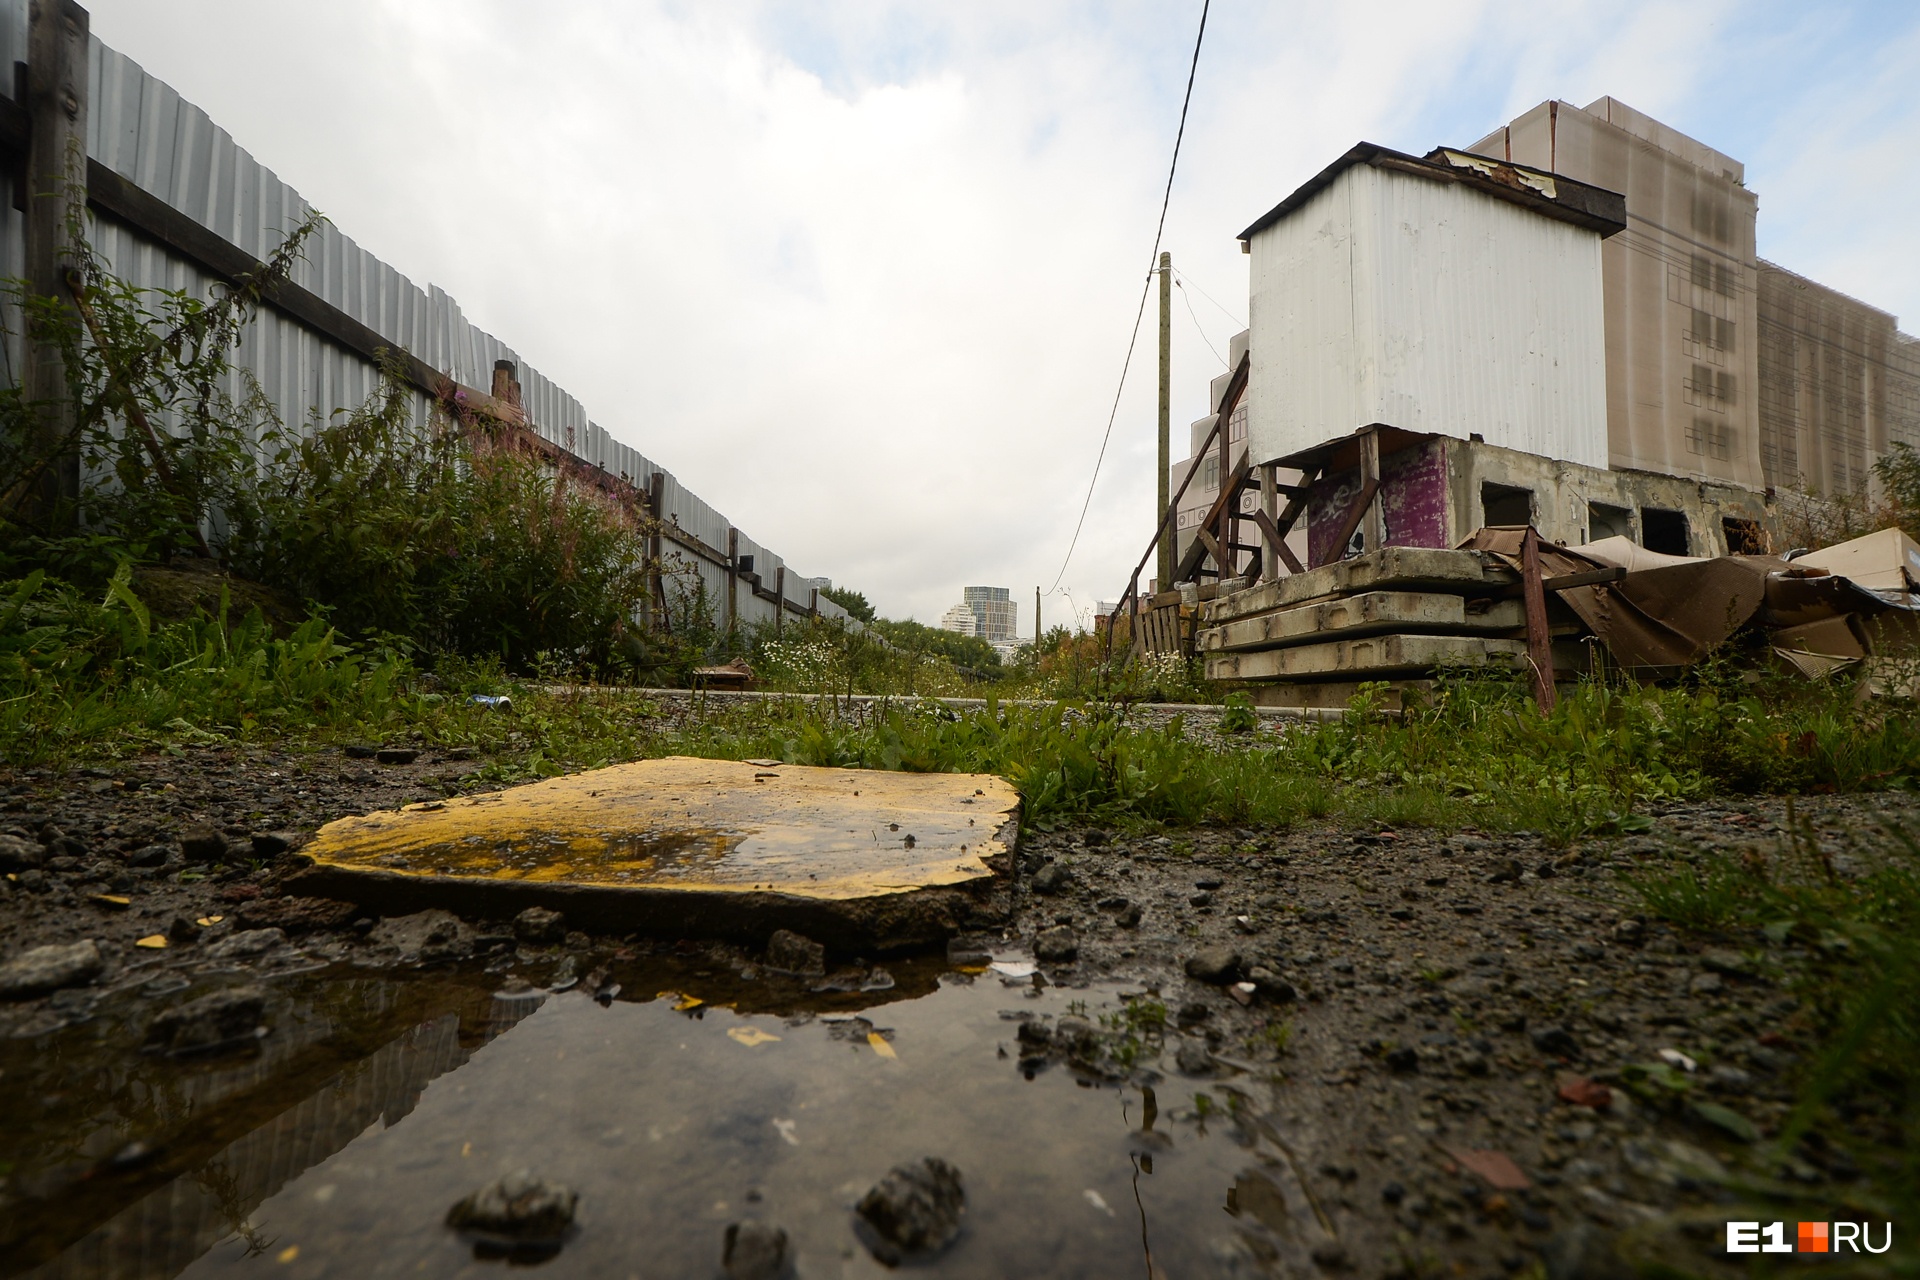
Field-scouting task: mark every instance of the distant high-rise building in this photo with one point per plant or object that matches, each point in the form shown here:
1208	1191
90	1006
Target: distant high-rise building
987	612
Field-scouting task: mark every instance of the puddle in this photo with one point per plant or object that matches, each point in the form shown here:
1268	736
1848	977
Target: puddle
378	1101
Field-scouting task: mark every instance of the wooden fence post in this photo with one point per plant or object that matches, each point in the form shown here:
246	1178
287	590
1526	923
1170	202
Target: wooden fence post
656	547
56	210
733	580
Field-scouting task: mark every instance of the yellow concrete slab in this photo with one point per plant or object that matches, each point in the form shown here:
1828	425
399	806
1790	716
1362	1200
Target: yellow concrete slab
680	842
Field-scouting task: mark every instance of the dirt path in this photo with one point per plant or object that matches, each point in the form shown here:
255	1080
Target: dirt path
1441	1010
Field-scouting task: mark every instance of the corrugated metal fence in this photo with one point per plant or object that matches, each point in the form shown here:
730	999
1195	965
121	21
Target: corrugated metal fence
144	131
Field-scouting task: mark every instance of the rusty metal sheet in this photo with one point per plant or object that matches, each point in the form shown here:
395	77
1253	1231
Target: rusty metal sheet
713	847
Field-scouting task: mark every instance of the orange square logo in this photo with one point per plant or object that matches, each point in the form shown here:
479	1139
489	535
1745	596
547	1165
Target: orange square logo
1813	1237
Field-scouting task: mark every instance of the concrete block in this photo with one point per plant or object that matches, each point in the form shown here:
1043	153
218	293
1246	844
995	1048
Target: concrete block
1359	659
1390	568
1370	613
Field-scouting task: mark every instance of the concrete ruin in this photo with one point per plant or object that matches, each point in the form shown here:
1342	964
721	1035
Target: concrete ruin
1565	324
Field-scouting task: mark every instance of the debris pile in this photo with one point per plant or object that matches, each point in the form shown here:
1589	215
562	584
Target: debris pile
1401	613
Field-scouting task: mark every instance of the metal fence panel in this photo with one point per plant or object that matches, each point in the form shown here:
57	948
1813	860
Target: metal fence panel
142	129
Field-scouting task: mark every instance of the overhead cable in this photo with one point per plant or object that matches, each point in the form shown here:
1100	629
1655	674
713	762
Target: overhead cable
1152	259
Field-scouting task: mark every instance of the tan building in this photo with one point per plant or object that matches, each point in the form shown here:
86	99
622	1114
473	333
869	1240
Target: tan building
1719	366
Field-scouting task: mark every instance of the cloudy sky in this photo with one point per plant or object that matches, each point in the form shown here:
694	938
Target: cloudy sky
862	274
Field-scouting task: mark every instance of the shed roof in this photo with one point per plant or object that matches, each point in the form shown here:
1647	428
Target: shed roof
1580	203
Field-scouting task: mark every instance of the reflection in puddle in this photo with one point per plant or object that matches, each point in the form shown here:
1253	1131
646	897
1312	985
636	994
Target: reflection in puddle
378	1102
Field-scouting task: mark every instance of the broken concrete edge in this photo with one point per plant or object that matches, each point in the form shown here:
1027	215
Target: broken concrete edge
880	925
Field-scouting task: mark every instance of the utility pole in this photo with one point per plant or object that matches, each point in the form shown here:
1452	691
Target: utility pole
1165	562
1037	633
56	180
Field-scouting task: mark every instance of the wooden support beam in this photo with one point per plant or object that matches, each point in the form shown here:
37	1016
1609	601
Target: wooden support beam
1231	484
1539	636
1568	581
1373	522
1354	515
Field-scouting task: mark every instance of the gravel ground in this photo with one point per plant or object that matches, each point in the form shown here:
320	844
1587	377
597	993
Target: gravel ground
1439	1012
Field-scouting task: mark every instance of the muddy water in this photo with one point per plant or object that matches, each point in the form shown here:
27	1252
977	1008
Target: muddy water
376	1103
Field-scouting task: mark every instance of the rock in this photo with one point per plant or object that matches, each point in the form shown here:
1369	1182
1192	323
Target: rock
1073	1033
424	936
270	844
251	942
1582	1092
1705	984
1218	965
1630	933
359	751
539	925
1506	871
1588	952
152	855
1403	1060
1193	1058
1129	917
1331	1255
1583	1252
203	844
754	1251
1200	898
789	952
914	1211
17	854
1270	986
519	1208
1729	964
1555	1042
396	755
1191	1012
1035	1033
1056	945
213	1022
49	968
1052	878
297	915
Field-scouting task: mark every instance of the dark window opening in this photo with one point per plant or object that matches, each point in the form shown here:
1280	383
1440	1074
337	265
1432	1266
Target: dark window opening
1664	531
1744	537
1604	521
1502	504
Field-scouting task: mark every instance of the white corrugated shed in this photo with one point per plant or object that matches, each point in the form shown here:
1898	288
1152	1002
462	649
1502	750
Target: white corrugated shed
1391	298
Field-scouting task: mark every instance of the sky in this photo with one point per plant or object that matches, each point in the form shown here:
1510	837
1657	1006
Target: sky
863	274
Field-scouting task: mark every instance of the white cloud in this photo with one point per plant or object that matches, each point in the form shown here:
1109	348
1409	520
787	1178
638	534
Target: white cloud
862	275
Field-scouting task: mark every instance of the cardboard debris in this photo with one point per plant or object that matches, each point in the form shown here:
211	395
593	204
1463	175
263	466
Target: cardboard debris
1670	611
1883	562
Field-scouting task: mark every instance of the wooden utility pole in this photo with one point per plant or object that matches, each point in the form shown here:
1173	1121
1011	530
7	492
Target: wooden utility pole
56	212
1165	563
1037	632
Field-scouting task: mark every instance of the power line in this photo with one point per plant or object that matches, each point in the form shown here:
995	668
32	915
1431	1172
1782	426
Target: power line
1165	200
1182	279
1198	327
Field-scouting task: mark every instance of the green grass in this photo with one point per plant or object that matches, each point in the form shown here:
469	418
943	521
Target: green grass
1848	946
82	678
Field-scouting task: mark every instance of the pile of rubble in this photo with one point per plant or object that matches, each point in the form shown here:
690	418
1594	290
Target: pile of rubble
1401	614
